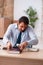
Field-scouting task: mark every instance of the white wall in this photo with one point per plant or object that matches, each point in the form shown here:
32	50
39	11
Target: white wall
21	5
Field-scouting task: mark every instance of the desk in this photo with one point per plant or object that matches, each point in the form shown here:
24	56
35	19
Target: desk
25	58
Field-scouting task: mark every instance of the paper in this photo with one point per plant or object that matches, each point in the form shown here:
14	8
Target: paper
14	52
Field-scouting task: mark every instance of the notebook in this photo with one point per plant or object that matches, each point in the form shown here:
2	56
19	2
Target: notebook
15	50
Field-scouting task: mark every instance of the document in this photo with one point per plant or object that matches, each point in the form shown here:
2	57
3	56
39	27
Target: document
15	50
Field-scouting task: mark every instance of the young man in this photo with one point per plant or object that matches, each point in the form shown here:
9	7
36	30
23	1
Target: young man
20	35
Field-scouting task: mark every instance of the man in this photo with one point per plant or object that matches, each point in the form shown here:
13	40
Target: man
26	38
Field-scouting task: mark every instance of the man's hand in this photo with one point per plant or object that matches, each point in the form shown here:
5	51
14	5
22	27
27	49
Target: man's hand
9	46
23	45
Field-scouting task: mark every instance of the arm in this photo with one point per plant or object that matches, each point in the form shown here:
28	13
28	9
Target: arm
33	38
7	35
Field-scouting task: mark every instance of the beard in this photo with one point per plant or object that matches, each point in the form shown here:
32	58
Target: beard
23	30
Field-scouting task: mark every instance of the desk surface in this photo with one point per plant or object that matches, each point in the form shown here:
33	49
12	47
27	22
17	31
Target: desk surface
25	58
27	55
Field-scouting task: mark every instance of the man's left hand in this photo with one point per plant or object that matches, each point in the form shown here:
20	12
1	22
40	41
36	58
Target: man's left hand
23	45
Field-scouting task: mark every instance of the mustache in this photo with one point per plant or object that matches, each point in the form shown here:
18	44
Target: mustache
23	30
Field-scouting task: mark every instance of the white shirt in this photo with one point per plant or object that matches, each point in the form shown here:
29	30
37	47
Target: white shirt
27	36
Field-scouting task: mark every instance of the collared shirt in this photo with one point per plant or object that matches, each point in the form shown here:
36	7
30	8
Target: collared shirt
27	36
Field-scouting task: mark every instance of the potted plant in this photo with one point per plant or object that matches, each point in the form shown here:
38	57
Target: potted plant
32	15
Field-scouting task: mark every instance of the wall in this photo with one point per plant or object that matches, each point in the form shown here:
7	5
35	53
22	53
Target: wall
6	15
21	5
1	7
6	8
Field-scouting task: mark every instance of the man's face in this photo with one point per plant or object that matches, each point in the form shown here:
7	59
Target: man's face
22	27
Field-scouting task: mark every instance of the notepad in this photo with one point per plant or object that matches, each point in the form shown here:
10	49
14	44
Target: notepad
15	50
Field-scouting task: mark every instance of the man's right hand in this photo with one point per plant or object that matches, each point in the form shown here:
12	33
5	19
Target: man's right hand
9	46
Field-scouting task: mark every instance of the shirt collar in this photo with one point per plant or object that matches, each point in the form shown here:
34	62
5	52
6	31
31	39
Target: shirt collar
16	25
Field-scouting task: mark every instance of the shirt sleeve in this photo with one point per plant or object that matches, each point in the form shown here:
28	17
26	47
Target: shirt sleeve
33	38
7	35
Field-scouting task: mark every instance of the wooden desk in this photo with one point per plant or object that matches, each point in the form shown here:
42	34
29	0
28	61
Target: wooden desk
25	58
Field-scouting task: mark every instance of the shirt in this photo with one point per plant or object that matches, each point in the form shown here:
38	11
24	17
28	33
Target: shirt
12	34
